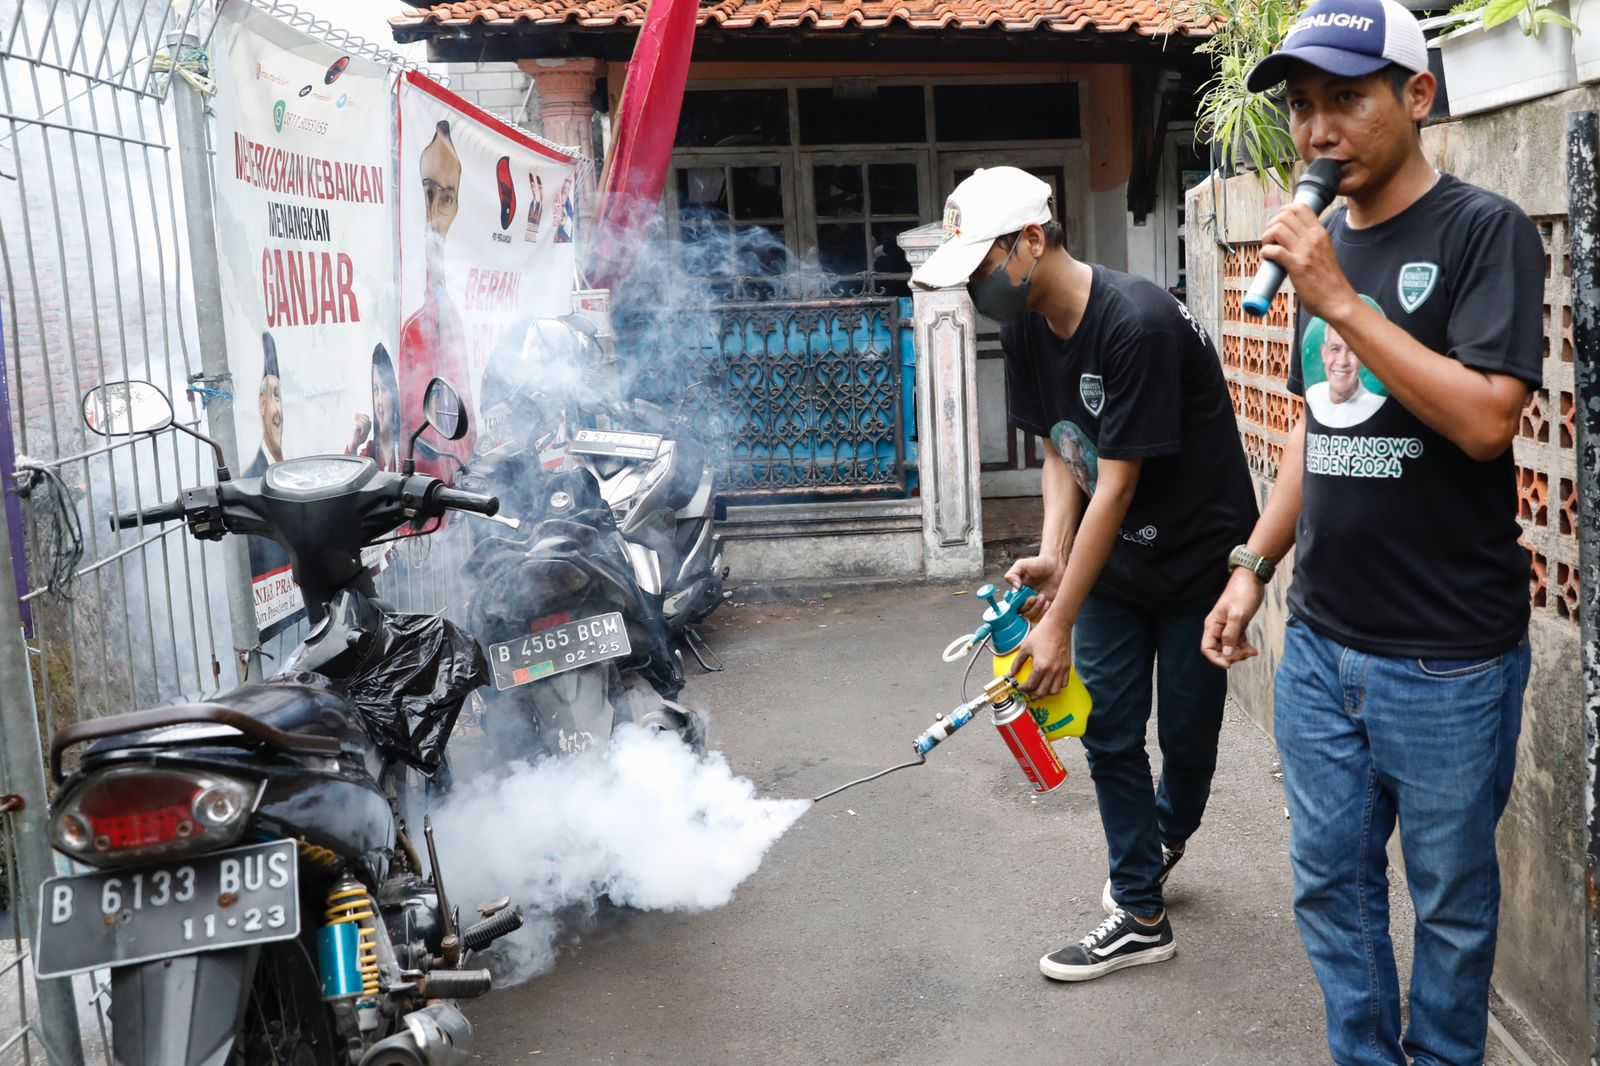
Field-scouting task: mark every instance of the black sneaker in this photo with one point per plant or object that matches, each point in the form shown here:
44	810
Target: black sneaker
1169	859
1116	943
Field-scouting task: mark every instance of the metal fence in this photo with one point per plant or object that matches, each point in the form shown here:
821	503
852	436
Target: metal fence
92	242
102	127
27	1036
800	399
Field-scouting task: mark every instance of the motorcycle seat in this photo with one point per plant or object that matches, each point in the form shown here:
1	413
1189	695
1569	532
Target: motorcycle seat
298	705
301	705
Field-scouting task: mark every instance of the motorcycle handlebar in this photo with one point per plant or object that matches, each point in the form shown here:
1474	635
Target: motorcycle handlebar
167	512
435	500
456	500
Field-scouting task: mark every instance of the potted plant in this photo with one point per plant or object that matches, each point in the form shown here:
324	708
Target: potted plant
1246	130
1499	52
1586	40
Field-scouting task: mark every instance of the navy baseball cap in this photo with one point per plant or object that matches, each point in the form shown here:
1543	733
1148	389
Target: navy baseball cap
1348	38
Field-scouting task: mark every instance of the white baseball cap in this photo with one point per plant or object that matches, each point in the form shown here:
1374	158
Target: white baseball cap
990	204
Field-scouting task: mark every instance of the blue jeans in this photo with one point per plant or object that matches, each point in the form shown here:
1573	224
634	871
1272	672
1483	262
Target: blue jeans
1116	646
1366	740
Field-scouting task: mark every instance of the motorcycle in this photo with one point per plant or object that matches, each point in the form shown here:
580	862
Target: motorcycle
254	887
660	483
575	645
653	471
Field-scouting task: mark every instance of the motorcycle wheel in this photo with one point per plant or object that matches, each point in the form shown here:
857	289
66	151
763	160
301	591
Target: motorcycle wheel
285	1021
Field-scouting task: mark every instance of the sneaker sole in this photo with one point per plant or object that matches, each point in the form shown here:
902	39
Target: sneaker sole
1057	972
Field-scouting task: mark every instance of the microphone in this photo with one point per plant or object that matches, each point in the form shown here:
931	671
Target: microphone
1316	190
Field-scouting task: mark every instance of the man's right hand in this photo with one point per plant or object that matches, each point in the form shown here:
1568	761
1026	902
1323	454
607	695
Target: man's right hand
1040	573
1225	641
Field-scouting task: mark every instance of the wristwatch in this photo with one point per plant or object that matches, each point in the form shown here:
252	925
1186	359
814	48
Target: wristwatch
1242	556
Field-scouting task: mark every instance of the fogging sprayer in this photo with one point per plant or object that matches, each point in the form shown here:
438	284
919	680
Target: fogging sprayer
1005	626
1028	725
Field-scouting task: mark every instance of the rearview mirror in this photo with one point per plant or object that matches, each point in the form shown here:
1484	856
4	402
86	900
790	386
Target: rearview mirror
124	408
441	406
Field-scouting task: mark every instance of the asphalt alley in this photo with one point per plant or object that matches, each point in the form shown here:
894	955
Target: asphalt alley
902	921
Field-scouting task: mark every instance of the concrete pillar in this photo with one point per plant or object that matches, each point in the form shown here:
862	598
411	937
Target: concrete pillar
1108	127
566	101
947	420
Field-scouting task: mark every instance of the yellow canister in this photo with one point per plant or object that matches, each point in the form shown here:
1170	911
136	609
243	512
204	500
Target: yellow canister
1066	714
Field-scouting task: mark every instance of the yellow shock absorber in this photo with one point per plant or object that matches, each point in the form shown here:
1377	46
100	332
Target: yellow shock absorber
349	902
314	853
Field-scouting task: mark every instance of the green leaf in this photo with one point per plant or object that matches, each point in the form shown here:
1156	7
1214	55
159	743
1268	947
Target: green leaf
1544	16
1496	12
1247	128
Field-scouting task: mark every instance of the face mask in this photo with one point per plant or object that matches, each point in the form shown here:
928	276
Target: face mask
996	297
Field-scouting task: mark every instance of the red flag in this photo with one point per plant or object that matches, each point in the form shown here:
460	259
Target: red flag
645	130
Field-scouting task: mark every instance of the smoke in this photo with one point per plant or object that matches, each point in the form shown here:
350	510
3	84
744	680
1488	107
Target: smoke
647	824
723	321
643	822
669	329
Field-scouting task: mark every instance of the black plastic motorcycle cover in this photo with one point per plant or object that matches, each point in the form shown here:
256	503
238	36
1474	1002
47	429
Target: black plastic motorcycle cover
411	697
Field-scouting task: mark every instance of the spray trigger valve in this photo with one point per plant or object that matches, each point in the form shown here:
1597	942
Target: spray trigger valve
1003	620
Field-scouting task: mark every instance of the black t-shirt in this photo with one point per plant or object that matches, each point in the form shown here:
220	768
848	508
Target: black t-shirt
1139	379
1406	545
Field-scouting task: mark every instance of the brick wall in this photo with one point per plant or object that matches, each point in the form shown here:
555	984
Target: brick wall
1255	360
502	89
1546	447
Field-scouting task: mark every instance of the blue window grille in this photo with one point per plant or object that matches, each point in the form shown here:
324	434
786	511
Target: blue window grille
801	399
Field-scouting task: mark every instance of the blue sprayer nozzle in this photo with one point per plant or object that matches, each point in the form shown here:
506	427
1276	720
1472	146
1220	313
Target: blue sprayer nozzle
1003	620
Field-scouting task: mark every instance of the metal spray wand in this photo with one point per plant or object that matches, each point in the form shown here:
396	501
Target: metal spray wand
997	693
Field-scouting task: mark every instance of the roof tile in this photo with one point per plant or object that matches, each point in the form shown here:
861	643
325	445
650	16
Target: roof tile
1143	17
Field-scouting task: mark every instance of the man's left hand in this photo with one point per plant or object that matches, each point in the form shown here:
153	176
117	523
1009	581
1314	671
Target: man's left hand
1049	647
1297	241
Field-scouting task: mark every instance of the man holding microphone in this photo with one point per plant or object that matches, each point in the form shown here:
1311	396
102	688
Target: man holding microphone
1399	694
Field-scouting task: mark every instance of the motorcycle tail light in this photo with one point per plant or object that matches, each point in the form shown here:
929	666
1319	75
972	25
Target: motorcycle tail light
136	813
550	621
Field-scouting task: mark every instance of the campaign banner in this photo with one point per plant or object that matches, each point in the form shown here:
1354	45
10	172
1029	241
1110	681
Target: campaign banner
487	230
304	192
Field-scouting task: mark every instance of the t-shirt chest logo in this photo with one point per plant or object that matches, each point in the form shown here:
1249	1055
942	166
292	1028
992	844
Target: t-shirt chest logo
1416	283
1092	391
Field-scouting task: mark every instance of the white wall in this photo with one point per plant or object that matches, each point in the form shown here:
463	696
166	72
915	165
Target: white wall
501	89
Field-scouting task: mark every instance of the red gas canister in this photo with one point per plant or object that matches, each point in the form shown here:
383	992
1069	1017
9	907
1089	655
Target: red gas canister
1028	744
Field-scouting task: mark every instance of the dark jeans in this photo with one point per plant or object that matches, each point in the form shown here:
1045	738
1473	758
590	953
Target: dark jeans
1115	646
1367	740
